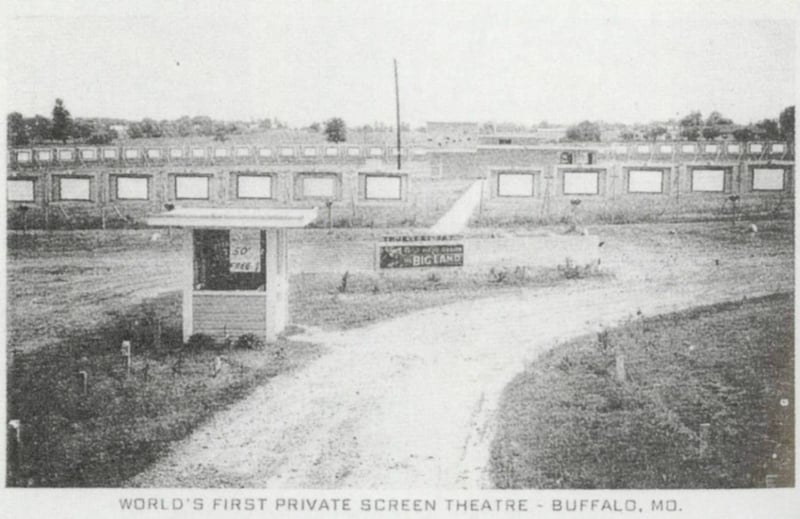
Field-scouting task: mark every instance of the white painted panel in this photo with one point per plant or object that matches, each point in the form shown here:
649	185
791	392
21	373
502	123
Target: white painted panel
242	151
254	186
778	148
191	187
581	183
331	152
620	149
734	148
319	187
44	155
132	188
65	155
19	190
23	156
89	154
310	152
515	184
642	149
154	153
645	181
375	152
354	152
712	180
287	152
75	188
176	153
265	152
688	148
198	153
382	188
131	153
665	148
768	179
220	152
712	148
110	153
756	148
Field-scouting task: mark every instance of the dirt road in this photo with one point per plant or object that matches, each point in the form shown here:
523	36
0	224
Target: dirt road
409	403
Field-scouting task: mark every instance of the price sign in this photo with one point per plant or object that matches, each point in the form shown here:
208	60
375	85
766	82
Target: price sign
245	250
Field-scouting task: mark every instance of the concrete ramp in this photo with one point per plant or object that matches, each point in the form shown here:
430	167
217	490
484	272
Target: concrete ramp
455	220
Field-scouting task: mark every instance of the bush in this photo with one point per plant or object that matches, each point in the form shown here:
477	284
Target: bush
200	342
249	341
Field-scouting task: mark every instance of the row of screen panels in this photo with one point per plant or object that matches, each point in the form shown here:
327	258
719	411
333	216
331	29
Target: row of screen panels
387	187
91	154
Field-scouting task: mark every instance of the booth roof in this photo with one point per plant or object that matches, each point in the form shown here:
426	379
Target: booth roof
228	218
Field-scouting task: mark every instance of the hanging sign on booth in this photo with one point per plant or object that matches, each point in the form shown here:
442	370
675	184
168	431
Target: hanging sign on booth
245	250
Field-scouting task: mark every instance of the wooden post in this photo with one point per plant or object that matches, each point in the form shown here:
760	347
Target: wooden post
83	379
704	432
620	366
126	352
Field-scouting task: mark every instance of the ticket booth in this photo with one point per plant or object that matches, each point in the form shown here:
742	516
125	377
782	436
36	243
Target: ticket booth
236	272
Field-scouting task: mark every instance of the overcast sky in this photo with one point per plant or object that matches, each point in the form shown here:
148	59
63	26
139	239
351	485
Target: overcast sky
306	61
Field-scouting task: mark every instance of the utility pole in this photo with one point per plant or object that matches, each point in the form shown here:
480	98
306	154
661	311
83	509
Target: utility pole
397	102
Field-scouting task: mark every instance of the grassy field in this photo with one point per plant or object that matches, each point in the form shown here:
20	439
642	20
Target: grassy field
123	422
73	296
566	422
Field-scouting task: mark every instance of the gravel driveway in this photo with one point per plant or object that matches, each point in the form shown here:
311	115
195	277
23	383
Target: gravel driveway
409	402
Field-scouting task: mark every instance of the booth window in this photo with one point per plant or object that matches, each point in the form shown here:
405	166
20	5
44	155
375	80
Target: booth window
131	153
645	181
191	187
44	156
132	188
383	187
756	148
515	184
229	259
65	155
688	148
778	148
154	153
88	155
19	190
318	186
708	180
176	153
109	153
78	188
581	182
23	156
253	186
768	179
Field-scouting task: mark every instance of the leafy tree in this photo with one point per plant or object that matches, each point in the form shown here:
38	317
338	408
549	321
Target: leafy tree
336	130
770	128
151	128
81	130
314	127
584	131
710	133
135	131
786	120
40	128
627	135
653	132
717	119
743	134
62	122
691	125
15	129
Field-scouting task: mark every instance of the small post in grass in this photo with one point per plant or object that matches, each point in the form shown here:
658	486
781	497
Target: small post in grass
705	428
15	455
83	380
217	365
619	359
126	352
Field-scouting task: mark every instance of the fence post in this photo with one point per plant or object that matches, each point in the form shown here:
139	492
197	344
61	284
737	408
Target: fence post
704	432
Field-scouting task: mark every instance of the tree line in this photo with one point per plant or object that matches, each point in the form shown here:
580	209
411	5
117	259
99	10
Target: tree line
692	127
